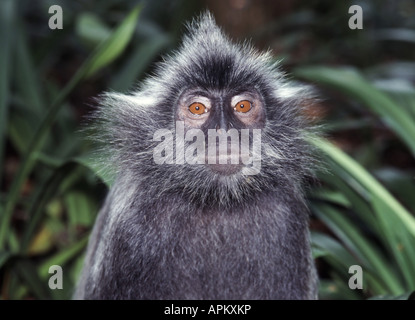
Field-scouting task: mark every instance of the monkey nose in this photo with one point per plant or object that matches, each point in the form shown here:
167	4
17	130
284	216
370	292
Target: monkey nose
220	131
222	127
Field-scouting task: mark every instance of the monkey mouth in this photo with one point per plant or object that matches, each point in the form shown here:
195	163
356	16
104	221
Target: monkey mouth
225	165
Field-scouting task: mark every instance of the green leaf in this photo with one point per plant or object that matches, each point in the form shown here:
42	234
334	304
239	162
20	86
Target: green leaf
398	182
27	272
80	208
27	80
7	8
63	257
334	251
354	85
369	258
102	172
337	289
114	45
4	257
393	224
335	197
138	62
356	195
104	54
367	181
399	241
91	29
396	34
406	296
42	196
21	124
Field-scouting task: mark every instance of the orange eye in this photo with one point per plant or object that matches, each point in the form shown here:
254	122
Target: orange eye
243	106
197	108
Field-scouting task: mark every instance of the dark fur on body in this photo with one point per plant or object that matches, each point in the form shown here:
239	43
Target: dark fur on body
184	231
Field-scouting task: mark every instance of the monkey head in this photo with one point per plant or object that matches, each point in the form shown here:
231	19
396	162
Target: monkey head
215	112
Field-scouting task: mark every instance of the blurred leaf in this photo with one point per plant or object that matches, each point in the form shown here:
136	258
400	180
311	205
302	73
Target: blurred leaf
334	251
42	196
318	252
106	52
399	241
27	271
101	171
355	194
354	85
395	70
113	46
368	256
20	128
401	90
361	177
138	62
54	209
42	241
337	289
14	288
81	210
76	269
400	183
395	225
406	296
4	257
331	196
27	80
396	34
342	125
91	29
7	8
62	257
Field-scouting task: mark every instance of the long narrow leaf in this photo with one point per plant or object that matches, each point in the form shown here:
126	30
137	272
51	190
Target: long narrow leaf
6	32
352	83
27	271
369	257
335	252
105	175
4	257
27	82
62	257
354	195
106	52
366	180
138	61
396	226
36	209
400	242
114	45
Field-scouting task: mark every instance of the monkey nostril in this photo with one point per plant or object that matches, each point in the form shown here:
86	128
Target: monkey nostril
221	131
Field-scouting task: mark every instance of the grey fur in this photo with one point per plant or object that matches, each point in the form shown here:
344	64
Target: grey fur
185	232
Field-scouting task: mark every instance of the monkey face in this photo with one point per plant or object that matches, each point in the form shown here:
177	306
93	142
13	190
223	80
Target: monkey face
194	124
218	114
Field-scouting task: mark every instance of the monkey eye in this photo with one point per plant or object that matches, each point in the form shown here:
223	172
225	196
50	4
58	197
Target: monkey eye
243	106
197	108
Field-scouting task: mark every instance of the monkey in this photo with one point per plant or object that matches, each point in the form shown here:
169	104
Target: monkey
181	223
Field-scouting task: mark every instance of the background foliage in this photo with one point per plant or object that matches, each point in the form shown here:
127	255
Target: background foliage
362	209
